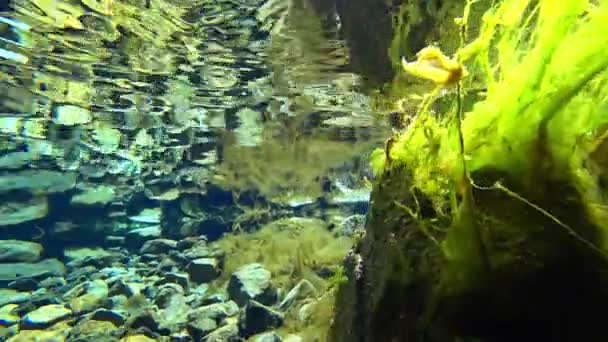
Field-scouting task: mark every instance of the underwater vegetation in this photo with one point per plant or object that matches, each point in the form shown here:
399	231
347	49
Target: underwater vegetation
295	250
490	213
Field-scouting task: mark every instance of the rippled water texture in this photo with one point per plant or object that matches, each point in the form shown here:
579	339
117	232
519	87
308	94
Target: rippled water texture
170	94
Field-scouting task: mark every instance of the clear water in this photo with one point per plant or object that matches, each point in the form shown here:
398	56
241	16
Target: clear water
224	132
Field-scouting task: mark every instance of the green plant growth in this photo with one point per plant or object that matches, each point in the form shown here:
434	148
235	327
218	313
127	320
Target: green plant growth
541	126
294	249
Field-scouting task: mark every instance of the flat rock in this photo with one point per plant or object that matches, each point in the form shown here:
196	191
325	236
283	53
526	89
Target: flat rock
19	251
45	316
16	212
78	255
45	268
10	296
37	181
96	196
148	215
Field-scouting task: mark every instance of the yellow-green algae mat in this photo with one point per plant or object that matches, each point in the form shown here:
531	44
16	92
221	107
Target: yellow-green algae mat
543	120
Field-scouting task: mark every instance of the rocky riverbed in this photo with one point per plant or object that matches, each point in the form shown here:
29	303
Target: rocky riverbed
177	290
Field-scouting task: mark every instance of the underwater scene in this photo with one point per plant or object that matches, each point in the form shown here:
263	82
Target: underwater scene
303	170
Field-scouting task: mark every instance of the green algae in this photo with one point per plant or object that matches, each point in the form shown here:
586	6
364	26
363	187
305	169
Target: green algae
519	178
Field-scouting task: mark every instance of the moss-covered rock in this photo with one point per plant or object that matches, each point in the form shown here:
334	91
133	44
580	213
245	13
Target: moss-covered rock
490	224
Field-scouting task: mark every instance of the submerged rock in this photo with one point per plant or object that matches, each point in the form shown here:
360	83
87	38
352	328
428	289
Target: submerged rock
99	195
259	318
95	293
70	115
45	316
94	330
251	282
268	337
10	296
19	251
17	160
137	237
303	289
16	212
44	268
158	246
203	270
37	181
227	333
148	215
7	317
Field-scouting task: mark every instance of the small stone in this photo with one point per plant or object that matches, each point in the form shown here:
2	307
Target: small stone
158	246
129	289
305	312
7	318
165	293
182	279
259	318
203	270
201	327
303	289
202	250
137	237
227	333
216	312
351	225
146	319
45	316
267	337
214	298
181	336
251	281
52	282
70	115
106	315
19	251
148	215
115	241
95	293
